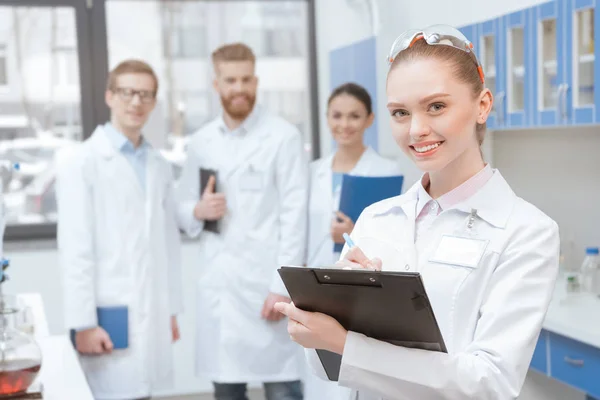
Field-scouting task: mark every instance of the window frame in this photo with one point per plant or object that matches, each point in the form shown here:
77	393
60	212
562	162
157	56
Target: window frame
3	57
92	53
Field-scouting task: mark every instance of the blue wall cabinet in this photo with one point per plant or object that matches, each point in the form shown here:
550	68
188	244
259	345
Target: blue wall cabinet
540	64
548	65
565	43
582	73
491	55
516	71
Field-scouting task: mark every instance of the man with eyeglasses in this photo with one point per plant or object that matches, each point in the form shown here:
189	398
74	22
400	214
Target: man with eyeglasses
119	246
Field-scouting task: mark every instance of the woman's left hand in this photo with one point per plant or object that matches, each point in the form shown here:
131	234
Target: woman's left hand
313	330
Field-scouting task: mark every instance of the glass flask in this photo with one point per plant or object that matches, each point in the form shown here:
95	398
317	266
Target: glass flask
20	355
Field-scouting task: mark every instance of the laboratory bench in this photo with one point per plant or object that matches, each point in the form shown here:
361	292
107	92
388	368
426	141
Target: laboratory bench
568	349
61	376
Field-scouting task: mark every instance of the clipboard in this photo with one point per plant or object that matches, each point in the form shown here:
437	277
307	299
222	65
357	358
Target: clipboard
384	305
205	174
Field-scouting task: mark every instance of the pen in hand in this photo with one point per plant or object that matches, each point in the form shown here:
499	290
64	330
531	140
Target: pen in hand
356	259
348	240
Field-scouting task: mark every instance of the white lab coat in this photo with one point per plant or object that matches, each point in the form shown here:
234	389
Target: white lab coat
490	316
323	202
118	246
264	176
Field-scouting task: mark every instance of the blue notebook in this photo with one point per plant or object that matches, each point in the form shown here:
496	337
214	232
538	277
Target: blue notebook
359	192
115	321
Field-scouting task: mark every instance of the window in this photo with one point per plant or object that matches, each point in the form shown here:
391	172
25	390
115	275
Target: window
277	32
184	31
3	67
37	118
275	42
65	67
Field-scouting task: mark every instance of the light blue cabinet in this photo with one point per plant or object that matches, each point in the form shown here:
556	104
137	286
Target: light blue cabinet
575	364
581	71
515	70
548	65
539	362
569	361
540	64
491	55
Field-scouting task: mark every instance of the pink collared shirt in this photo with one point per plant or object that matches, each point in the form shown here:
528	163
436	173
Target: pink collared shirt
428	209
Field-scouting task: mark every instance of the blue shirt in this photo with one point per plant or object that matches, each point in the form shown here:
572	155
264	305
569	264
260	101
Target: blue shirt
135	156
336	181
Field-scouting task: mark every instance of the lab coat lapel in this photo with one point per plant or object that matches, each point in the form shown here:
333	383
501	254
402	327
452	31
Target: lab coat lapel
364	163
324	192
153	181
251	143
407	236
116	165
324	181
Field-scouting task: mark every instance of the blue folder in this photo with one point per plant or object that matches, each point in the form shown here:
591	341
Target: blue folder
115	321
359	192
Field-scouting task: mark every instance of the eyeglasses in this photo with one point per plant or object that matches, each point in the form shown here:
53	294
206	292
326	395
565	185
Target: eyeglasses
435	35
127	94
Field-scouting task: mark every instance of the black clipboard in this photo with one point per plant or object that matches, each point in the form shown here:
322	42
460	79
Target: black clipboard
388	306
205	174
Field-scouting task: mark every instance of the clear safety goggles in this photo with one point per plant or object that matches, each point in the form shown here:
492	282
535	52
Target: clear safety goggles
435	35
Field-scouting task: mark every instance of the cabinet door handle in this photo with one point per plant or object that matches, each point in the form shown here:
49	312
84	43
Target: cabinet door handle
576	363
500	108
559	91
562	101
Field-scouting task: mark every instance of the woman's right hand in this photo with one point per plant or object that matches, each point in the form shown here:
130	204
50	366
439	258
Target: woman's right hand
356	259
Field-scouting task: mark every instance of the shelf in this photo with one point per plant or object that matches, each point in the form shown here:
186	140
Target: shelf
550	67
587	58
519	71
550	64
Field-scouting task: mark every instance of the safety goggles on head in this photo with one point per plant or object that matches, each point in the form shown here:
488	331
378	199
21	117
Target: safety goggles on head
435	35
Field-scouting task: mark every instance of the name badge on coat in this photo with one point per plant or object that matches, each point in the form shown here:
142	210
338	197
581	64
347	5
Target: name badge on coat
456	250
461	249
252	180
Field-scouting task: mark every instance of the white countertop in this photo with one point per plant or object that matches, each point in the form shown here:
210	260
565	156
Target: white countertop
61	375
575	316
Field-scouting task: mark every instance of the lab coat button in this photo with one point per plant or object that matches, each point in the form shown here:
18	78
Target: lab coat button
407	267
434	206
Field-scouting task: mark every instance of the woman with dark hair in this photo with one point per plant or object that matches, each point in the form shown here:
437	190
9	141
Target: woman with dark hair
349	114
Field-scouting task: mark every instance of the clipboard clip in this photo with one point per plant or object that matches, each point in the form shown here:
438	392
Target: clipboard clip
347	278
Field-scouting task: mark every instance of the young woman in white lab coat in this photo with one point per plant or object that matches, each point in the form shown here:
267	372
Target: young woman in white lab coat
489	308
349	114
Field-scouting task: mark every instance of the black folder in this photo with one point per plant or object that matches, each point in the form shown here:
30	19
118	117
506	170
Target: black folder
205	174
388	306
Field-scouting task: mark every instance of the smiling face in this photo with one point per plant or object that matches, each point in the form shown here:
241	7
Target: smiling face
348	118
131	100
236	84
434	113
